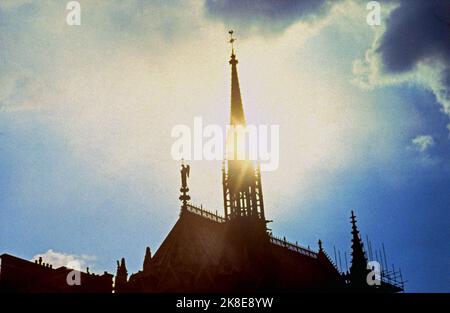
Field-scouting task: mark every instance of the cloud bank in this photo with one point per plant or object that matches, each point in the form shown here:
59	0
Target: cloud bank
413	47
266	16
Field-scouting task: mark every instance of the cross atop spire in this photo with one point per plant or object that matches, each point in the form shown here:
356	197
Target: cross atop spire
231	41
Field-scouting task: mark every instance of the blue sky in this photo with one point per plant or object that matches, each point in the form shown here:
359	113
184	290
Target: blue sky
86	113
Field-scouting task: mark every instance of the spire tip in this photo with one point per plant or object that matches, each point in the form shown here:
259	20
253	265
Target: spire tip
231	41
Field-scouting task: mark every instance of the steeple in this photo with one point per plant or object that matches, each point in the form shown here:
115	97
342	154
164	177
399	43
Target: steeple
358	268
237	116
241	181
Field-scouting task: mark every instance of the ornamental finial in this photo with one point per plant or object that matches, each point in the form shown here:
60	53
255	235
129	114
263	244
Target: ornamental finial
231	41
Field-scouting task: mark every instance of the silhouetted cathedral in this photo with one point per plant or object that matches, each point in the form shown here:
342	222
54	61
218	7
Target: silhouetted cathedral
205	252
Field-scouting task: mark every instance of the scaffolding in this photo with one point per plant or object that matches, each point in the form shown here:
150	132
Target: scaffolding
392	277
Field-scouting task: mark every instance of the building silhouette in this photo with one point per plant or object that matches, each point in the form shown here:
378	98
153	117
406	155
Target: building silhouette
21	276
206	252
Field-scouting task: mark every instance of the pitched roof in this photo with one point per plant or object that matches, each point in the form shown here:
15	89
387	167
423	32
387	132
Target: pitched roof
197	255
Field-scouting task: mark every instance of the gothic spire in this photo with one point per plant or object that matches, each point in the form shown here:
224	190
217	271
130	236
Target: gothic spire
358	269
241	182
237	112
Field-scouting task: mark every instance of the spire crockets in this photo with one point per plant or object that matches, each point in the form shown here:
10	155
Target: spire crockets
241	182
358	269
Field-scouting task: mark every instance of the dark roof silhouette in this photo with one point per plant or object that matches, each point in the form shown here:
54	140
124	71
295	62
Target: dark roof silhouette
19	275
199	255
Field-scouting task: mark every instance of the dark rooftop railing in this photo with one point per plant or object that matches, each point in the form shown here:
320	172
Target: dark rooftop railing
275	240
205	213
293	246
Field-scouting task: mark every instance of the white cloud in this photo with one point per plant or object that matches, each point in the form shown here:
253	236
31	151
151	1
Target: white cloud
58	259
423	142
